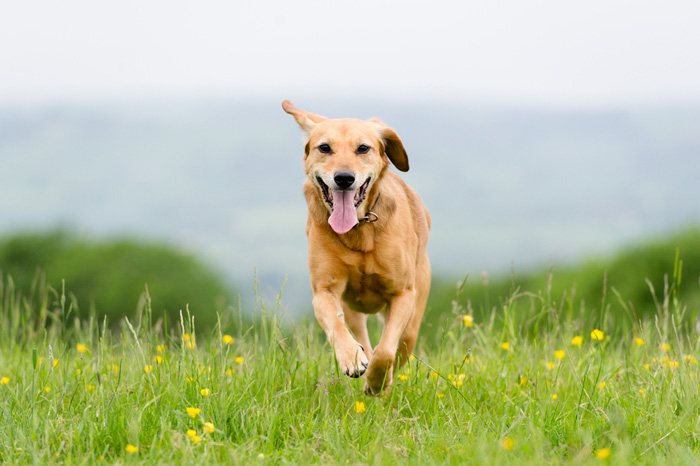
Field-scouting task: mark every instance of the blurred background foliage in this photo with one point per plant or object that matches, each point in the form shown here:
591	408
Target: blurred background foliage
109	277
630	284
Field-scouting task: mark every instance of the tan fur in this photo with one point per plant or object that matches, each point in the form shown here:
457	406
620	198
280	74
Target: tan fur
375	267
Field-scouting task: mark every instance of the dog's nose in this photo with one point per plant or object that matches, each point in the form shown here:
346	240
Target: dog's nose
344	178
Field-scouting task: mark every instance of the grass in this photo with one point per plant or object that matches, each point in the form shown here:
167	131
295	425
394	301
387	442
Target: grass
511	389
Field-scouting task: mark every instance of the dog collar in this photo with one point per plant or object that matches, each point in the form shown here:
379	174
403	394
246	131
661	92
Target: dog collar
371	216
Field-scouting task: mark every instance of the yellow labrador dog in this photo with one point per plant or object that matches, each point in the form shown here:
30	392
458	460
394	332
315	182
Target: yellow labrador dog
367	235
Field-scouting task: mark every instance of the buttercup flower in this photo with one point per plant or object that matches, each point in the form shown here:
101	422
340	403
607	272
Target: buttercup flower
160	348
55	363
403	378
209	427
665	347
639	341
507	443
468	320
205	392
82	348
577	340
193	412
597	335
4	381
148	369
505	345
359	406
228	339
131	449
239	360
191	433
560	354
603	453
158	359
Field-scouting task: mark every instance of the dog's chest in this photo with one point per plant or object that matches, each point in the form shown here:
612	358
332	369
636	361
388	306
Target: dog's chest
367	292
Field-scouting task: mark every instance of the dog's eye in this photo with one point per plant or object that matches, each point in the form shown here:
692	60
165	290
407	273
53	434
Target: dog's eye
363	149
324	149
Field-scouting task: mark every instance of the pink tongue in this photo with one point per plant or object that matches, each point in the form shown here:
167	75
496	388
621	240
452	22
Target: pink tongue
344	215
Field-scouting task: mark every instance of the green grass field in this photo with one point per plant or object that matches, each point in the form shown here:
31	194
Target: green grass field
542	380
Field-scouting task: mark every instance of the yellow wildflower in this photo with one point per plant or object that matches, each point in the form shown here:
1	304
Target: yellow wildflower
360	407
47	389
434	375
205	392
158	359
641	391
209	427
689	359
560	354
457	383
550	365
441	395
190	379
55	363
555	396
507	443
602	385
196	439
4	381
89	387
131	449
229	372
577	340
597	335
160	348
505	345
665	347
193	412
228	339
82	348
468	320
148	369
523	380
239	360
639	341
603	453
403	378
191	433
411	358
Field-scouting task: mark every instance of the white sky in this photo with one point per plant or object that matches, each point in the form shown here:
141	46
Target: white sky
558	52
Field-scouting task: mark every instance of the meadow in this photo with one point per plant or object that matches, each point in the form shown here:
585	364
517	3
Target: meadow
539	379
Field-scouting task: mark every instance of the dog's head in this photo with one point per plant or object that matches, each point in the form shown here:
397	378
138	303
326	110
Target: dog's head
344	158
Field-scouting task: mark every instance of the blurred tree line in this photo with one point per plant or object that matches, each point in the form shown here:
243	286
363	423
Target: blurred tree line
625	280
111	276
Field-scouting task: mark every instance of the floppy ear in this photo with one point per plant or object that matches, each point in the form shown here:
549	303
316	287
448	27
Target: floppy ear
392	146
306	121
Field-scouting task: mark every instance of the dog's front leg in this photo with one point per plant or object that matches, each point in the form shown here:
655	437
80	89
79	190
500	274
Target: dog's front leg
380	374
349	353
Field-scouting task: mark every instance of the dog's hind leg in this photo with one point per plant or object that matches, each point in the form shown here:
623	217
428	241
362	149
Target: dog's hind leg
357	322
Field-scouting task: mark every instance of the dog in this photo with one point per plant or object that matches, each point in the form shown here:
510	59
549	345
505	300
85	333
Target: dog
367	235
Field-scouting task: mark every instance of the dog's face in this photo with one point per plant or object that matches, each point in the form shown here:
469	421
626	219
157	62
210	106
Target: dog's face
344	158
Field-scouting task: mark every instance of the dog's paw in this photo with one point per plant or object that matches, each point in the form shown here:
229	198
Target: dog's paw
352	360
380	378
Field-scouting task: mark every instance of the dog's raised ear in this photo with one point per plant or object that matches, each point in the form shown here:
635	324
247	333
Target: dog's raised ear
392	145
306	121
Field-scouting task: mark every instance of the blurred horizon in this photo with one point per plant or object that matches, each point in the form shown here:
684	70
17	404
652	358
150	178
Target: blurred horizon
506	188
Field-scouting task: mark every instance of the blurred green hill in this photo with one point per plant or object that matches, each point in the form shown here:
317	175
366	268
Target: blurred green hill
627	278
110	276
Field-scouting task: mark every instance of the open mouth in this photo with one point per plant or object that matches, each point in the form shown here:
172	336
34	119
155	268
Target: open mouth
328	194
